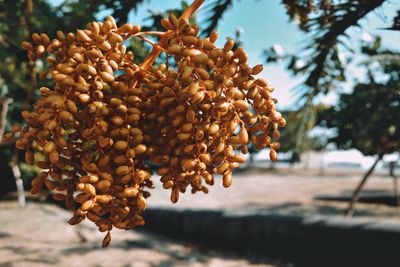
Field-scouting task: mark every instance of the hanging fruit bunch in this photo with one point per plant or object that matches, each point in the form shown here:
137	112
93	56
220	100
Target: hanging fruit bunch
106	117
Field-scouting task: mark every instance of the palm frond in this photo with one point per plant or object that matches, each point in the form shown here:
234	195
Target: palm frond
396	23
325	43
214	10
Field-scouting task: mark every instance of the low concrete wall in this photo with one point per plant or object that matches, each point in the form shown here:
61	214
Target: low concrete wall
311	241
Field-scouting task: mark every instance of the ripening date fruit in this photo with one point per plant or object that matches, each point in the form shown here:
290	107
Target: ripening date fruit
105	117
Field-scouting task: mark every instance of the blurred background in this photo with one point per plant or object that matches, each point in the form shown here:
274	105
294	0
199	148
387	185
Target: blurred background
331	198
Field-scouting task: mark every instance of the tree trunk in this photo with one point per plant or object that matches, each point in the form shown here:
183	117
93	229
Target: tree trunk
392	166
18	180
396	190
251	160
357	192
7	181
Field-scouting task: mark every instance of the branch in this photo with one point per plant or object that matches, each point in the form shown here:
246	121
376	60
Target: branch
323	50
18	179
216	11
326	42
156	33
192	8
357	192
396	23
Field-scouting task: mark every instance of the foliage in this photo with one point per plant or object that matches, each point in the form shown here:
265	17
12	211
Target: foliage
326	22
321	63
368	119
298	143
215	9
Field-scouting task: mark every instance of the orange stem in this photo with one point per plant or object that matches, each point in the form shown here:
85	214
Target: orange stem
159	47
150	33
191	9
156	50
150	42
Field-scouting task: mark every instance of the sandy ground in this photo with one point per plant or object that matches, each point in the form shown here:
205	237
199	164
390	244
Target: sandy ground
38	235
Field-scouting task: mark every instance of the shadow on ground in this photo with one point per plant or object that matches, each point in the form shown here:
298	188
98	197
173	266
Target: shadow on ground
38	236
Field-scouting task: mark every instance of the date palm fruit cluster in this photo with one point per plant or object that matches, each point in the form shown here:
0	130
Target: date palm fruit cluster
106	117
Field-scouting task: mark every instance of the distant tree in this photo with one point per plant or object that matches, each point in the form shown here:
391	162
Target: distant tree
296	143
326	24
368	119
365	118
